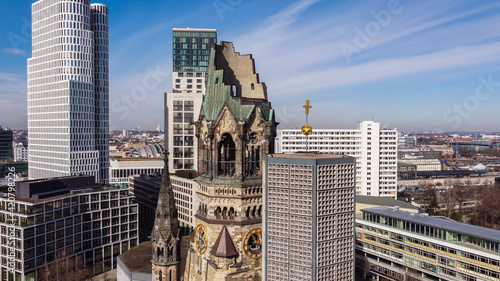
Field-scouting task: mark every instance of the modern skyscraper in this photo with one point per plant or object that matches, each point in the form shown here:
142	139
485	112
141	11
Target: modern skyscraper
191	51
308	225
375	150
68	90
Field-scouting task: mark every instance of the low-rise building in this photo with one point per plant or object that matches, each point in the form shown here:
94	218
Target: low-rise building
88	224
396	245
423	164
121	169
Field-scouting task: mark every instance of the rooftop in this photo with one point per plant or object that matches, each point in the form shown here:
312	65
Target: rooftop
309	155
383	201
194	29
440	223
138	259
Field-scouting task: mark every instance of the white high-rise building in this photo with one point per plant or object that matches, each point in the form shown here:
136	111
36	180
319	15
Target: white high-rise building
375	150
68	90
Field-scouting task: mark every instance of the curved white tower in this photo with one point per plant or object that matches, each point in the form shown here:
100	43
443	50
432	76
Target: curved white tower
67	101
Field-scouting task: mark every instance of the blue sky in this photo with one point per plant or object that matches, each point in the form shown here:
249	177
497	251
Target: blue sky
411	65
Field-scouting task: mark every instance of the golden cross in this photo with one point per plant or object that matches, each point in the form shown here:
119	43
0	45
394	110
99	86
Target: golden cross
307	106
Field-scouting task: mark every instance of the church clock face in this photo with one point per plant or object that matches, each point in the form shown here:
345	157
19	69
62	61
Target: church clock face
252	245
201	239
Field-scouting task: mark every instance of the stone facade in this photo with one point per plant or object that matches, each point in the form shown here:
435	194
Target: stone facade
236	128
165	236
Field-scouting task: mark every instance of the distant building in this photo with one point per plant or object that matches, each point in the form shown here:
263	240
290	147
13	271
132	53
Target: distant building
20	152
407	141
308	225
68	90
6	138
421	153
423	164
375	150
122	168
90	224
154	150
407	171
393	244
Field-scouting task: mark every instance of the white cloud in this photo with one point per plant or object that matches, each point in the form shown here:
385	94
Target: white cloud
14	51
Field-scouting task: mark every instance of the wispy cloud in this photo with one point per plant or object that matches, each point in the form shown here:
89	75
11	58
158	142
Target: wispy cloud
11	51
390	68
10	77
288	15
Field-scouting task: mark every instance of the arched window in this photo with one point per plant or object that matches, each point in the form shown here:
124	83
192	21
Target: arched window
216	80
218	213
170	252
224	213
227	156
234	91
252	86
160	275
247	213
253	211
232	214
259	212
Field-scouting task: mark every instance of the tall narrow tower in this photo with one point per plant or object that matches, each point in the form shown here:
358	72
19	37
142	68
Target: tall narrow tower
235	129
165	235
68	90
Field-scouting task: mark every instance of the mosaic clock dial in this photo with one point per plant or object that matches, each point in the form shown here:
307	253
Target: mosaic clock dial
201	239
252	245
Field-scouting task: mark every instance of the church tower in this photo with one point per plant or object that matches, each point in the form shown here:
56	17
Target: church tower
235	129
165	238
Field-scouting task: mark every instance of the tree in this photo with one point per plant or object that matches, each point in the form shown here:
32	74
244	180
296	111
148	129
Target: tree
449	198
63	268
487	212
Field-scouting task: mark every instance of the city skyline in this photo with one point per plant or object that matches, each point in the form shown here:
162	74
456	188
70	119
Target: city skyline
408	65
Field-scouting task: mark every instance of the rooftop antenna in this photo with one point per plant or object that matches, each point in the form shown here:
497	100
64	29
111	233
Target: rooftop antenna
307	129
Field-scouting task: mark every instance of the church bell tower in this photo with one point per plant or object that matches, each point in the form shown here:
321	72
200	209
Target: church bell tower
235	129
165	238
